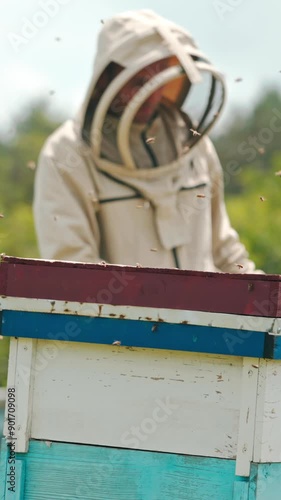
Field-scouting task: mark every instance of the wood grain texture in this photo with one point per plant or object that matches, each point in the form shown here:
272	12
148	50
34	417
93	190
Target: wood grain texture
267	446
3	468
265	482
19	491
175	316
20	377
245	447
146	334
66	471
136	398
257	295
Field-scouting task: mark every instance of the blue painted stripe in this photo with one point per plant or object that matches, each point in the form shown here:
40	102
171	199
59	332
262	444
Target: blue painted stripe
80	472
273	349
133	333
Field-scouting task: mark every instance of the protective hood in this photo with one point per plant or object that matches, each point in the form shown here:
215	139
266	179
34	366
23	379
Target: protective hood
134	40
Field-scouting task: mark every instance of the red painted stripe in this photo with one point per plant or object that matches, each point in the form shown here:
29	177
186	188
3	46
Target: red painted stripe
257	295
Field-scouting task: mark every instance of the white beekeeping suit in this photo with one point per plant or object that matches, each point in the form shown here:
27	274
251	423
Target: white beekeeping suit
105	191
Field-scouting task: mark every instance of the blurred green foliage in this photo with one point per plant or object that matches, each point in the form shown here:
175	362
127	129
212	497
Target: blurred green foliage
250	153
18	158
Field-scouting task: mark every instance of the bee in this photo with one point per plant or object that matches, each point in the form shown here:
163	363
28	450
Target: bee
150	140
31	164
262	198
154	328
1	216
194	132
146	204
153	250
278	174
240	266
201	196
239	79
116	342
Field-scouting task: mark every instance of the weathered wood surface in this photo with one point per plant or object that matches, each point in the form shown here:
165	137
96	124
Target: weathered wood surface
257	295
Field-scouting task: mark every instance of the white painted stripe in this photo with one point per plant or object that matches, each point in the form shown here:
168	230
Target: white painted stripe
246	431
175	316
20	377
143	399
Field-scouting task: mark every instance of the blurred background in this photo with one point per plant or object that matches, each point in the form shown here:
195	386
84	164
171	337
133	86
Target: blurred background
47	51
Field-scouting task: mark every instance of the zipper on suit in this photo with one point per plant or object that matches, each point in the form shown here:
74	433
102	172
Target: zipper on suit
154	161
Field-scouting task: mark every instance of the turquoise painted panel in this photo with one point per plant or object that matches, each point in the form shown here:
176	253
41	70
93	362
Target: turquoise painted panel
69	472
3	468
8	489
241	488
18	491
159	335
265	482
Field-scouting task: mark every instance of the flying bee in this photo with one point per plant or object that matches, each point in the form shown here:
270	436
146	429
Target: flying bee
240	266
194	132
150	140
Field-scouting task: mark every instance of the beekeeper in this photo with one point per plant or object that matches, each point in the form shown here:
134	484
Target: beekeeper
134	177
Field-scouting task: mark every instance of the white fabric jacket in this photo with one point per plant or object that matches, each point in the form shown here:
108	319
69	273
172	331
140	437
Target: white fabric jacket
121	200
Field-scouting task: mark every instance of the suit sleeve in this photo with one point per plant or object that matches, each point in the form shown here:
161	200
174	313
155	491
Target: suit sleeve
64	212
229	254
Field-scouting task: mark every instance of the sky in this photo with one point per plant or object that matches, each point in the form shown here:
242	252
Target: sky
48	46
